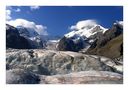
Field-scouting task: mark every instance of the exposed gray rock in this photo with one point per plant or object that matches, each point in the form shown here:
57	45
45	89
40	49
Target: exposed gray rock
19	76
67	44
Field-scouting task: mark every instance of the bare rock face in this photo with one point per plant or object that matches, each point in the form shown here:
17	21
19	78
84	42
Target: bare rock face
19	76
67	44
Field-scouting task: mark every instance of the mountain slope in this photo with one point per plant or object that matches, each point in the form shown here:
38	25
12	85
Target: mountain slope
113	48
14	40
32	36
110	44
23	38
26	32
81	38
95	40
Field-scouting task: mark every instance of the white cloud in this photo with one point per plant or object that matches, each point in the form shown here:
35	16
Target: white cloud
34	7
41	30
18	10
9	11
29	24
84	23
8	14
73	27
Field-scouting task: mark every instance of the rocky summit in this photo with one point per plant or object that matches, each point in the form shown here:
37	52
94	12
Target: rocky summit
48	66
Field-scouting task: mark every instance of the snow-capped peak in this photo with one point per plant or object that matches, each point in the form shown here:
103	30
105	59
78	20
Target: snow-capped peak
120	23
27	32
86	32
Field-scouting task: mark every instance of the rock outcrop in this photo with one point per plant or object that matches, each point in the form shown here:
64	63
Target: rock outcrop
20	76
67	44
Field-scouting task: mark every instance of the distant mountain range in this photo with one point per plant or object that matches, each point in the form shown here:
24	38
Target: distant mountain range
26	38
95	40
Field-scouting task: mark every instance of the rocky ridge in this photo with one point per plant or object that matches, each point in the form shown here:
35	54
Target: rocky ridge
110	41
95	40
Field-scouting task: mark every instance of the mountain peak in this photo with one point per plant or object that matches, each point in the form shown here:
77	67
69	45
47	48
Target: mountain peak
119	23
86	32
27	32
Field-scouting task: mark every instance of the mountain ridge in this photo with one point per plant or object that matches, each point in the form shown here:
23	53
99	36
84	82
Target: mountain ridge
98	38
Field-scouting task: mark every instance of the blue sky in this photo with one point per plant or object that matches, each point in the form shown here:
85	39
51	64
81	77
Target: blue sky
58	19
